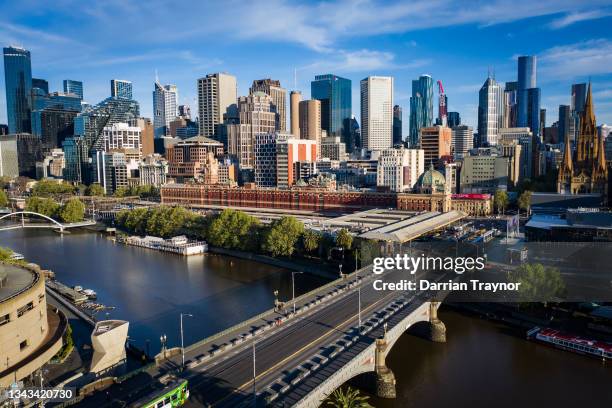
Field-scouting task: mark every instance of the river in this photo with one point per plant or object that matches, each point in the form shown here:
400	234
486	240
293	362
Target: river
482	364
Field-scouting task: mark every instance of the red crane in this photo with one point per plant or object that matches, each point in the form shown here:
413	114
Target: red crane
440	88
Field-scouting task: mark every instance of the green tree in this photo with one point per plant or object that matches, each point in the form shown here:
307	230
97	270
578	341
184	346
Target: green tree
501	200
524	201
368	250
72	211
50	188
281	237
95	190
311	240
344	239
233	229
348	398
5	254
45	206
122	192
538	283
4	202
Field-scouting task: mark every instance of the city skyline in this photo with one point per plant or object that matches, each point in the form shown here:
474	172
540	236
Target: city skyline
569	40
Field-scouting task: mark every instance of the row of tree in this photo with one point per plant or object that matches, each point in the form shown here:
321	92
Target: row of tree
232	229
501	200
72	210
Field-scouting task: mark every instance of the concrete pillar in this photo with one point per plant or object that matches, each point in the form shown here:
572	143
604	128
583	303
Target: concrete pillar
295	98
437	329
385	379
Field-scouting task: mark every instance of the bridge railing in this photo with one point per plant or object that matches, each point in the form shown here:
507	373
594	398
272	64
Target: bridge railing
260	316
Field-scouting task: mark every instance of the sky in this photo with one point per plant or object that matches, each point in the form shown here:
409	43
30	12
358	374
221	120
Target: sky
457	42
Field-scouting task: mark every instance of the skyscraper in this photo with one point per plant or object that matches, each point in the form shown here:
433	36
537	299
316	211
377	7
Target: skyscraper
41	84
295	98
273	88
121	89
490	112
577	102
165	103
377	112
310	120
510	104
18	83
53	117
74	87
334	93
528	114
216	92
397	125
566	124
454	119
421	107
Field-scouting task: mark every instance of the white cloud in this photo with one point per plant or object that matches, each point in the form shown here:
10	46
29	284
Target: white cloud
363	60
593	57
576	17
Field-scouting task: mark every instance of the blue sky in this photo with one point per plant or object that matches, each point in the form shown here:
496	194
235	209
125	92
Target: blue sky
454	41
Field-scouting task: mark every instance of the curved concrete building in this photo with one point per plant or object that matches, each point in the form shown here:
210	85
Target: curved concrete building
30	332
108	340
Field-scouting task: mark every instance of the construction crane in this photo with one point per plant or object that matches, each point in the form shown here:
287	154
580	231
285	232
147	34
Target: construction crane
442	105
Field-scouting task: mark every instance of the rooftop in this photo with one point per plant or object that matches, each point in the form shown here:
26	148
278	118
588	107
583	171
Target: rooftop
105	326
15	279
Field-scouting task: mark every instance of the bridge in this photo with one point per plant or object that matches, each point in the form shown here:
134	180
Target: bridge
283	358
53	224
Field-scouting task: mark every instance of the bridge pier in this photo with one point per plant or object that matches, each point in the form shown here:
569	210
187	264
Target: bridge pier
437	329
385	379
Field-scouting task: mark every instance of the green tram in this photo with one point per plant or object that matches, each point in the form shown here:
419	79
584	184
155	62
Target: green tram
175	394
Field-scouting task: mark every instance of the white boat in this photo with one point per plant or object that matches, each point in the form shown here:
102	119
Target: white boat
89	293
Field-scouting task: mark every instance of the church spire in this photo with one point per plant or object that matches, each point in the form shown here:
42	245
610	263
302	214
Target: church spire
588	116
567	156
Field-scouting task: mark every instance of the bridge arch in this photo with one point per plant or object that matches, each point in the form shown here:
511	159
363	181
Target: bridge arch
59	224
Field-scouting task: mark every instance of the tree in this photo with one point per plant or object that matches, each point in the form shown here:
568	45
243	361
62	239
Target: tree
311	240
524	201
349	398
94	190
538	283
501	200
344	239
122	192
72	211
281	237
50	188
5	254
233	229
368	250
4	202
45	206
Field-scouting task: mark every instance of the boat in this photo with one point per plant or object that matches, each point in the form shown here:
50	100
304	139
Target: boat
89	293
570	342
16	256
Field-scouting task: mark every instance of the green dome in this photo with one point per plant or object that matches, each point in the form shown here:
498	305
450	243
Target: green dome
432	181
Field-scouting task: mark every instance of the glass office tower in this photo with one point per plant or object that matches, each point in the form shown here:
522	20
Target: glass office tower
421	107
18	83
121	89
528	97
73	87
334	92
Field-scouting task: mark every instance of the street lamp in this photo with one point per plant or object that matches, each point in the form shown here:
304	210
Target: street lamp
359	300
254	377
182	346
293	288
340	267
163	339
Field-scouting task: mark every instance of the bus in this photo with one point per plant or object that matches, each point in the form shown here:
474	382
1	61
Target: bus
174	394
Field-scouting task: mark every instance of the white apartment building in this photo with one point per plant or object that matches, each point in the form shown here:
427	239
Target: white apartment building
399	169
377	112
215	93
121	136
165	108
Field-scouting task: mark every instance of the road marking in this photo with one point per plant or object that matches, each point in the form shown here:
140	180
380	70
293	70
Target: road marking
250	382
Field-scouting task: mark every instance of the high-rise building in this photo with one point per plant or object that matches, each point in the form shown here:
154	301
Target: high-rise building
123	137
310	120
524	137
289	152
18	84
454	119
216	92
442	119
53	117
278	94
165	108
255	116
110	170
73	87
184	111
397	125
528	114
542	124
195	158
510	104
121	88
490	112
399	169
153	170
295	99
41	84
332	148
462	140
484	173
577	103
147	145
377	112
436	142
9	164
421	107
334	92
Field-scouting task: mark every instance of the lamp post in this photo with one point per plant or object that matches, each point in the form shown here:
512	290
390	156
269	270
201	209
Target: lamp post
254	377
293	288
163	339
182	345
359	300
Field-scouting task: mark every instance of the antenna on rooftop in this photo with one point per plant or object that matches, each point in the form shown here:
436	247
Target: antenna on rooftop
295	78
156	76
